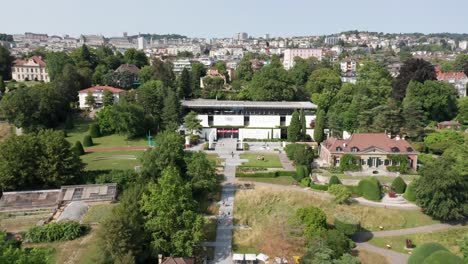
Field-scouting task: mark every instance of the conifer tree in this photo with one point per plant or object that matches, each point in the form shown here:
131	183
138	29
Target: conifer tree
294	129
319	126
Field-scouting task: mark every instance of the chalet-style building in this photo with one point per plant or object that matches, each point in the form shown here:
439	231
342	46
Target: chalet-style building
97	92
373	150
32	69
449	125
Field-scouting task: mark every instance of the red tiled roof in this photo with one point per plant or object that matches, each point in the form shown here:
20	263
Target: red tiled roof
36	59
450	75
171	260
102	87
364	141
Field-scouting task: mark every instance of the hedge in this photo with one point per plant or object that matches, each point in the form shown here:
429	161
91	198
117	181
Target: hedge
443	256
94	130
87	141
399	185
370	189
246	146
56	232
286	173
301	172
410	193
347	223
334	180
305	182
319	187
78	148
270	174
424	251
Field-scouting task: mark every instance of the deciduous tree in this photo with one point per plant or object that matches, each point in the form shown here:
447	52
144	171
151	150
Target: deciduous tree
417	70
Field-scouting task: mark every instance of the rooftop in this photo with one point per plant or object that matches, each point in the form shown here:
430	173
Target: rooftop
216	104
102	87
364	141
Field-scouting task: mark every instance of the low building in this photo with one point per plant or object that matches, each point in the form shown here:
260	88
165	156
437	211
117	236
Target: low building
458	79
212	74
131	68
248	119
372	149
349	77
173	260
32	69
98	92
181	64
290	54
449	125
348	64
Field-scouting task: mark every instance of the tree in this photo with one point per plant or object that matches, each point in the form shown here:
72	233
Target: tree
271	83
439	141
198	71
313	219
56	61
323	85
341	193
441	190
41	160
170	214
68	82
319	126
294	128
159	70
11	252
244	70
120	79
137	57
417	70
303	125
122	118
171	112
88	141
185	83
192	122
212	86
399	185
388	118
462	116
461	63
6	61
201	173
168	151
107	98
2	86
302	69
98	75
414	118
90	100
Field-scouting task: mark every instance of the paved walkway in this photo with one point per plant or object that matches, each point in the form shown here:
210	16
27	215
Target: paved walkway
287	164
392	256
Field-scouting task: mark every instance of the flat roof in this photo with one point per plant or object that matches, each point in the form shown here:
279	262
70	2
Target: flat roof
213	103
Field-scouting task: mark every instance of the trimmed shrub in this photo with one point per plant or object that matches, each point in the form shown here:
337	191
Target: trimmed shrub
301	173
246	146
370	189
286	173
341	193
205	146
399	185
94	130
334	180
319	187
301	154
305	182
69	122
272	174
424	251
347	223
193	139
56	232
443	257
78	148
87	141
410	193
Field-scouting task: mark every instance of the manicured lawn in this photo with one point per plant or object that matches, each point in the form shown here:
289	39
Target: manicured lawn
447	238
281	180
97	213
269	161
267	211
118	160
81	127
215	158
209	230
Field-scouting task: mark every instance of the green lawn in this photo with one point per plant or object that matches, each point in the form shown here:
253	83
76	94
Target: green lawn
81	127
97	213
214	157
209	230
116	160
447	238
281	180
269	161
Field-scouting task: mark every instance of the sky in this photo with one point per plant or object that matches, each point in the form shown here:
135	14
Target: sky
223	18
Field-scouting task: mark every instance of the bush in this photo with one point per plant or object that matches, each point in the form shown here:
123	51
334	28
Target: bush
319	187
193	139
349	162
370	189
56	232
341	193
334	180
443	256
399	185
301	154
121	177
301	173
305	182
205	146
78	148
286	173
410	193
313	219
347	223
336	241
87	141
424	251
94	130
271	174
69	122
246	146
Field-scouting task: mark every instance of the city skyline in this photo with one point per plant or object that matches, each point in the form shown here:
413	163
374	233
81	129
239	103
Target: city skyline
211	19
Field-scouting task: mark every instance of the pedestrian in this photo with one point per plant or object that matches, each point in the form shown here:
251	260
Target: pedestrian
232	154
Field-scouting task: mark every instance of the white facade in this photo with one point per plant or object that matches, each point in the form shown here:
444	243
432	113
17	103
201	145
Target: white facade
32	69
98	93
463	45
290	54
180	65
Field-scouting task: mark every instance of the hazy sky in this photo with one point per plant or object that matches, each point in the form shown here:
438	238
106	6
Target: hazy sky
218	18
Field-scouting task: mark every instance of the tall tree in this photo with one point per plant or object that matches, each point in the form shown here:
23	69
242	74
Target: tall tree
323	85
201	172
6	61
319	126
192	122
294	128
159	70
137	57
56	61
107	98
90	99
185	83
303	125
388	118
198	71
417	70
244	70
302	69
414	119
463	110
271	83
170	212
171	112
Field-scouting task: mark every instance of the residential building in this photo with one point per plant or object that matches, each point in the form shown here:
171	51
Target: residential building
463	45
32	69
332	40
449	125
349	77
290	54
248	119
241	36
348	64
212	74
458	79
181	64
372	149
92	40
98	92
131	68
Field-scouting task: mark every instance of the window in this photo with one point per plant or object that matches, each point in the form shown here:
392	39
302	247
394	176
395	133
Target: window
395	150
354	149
339	149
409	149
387	162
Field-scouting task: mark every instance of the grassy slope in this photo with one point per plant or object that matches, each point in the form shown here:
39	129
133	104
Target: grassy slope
270	160
281	180
117	160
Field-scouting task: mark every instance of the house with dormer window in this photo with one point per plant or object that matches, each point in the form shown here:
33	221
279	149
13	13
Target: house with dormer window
373	151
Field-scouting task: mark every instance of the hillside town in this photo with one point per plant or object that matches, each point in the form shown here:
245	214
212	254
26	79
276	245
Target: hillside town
339	148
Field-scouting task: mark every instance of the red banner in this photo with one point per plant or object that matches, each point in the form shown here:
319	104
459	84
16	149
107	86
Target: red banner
228	130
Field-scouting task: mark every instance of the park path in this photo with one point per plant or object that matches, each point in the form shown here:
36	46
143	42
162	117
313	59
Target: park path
392	256
91	150
286	162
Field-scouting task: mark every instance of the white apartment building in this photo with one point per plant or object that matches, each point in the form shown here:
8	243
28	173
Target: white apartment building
463	45
290	54
248	119
348	64
32	69
181	64
97	92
